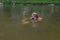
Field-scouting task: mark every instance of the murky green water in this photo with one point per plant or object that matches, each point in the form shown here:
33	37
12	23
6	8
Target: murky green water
12	27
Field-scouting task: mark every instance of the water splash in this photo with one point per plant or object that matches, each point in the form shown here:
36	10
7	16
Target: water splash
1	9
25	11
13	3
52	8
25	21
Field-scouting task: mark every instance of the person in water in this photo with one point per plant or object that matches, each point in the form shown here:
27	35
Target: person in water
34	17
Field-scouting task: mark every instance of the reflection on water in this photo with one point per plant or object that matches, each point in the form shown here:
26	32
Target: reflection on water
15	22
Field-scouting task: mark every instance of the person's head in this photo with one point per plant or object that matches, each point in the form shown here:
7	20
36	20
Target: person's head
34	13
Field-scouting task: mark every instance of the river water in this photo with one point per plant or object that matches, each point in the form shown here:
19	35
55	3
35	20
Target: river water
15	22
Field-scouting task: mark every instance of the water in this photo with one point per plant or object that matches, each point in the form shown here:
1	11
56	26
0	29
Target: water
15	23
